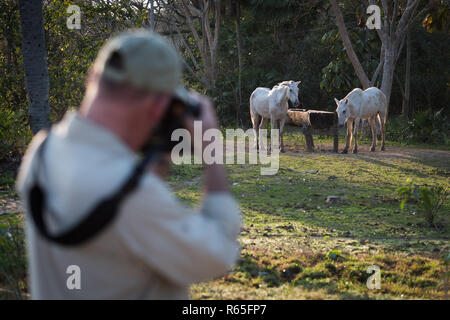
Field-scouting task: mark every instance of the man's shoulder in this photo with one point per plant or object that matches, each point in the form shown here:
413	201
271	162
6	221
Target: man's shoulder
28	158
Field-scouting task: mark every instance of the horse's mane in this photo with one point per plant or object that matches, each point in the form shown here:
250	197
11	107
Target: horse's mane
285	82
280	92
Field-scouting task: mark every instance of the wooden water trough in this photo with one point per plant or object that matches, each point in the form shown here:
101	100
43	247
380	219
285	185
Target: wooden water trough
315	121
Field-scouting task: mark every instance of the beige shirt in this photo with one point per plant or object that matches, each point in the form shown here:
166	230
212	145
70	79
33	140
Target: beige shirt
154	249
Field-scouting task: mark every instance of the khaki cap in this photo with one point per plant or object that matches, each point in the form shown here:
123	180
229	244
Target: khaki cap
142	59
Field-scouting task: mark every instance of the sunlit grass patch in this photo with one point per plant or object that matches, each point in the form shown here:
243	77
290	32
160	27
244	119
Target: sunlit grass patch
298	245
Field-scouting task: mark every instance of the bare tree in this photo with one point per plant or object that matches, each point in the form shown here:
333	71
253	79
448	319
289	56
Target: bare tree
348	46
396	22
202	19
152	15
35	63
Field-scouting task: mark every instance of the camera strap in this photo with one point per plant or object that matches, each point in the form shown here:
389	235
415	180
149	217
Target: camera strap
98	218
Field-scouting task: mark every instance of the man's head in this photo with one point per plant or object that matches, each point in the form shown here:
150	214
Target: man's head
131	83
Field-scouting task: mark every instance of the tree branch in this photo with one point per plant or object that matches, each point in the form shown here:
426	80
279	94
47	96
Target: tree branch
394	16
379	67
411	7
190	23
348	45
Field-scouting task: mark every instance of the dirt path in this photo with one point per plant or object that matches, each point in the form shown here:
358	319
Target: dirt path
10	205
363	149
441	159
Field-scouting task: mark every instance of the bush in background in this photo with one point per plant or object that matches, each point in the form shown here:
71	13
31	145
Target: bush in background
13	263
428	126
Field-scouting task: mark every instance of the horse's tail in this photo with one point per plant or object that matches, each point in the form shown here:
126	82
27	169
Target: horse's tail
251	113
252	116
382	113
381	119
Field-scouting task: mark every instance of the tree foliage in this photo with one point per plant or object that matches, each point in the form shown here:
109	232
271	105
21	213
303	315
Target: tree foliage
280	40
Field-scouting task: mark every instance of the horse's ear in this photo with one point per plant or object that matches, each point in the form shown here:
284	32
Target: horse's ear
297	83
337	101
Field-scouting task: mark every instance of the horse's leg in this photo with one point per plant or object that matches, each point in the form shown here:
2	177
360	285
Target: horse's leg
261	126
373	127
282	121
255	120
273	126
355	149
382	127
349	135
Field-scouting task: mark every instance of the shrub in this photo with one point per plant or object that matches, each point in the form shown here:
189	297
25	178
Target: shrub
14	134
13	264
423	127
334	255
429	200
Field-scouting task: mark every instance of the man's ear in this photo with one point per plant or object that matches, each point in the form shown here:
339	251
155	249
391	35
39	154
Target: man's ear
158	105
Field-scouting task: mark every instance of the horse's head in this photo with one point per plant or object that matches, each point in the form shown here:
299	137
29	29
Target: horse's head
343	110
293	92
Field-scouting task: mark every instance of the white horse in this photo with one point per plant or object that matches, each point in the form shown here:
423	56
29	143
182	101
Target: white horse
273	104
359	105
293	92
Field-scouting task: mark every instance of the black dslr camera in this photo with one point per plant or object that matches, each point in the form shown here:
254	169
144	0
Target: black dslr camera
182	105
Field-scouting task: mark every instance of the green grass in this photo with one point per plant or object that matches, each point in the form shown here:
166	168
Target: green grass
295	245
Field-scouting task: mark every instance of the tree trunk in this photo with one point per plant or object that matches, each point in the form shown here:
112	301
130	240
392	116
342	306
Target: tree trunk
348	46
405	106
238	43
391	34
35	63
152	15
208	43
388	75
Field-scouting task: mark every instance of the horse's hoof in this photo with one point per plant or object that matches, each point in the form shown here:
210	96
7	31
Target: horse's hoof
355	151
382	149
372	149
282	151
344	151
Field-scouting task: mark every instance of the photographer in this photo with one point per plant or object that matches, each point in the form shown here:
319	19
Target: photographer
155	247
